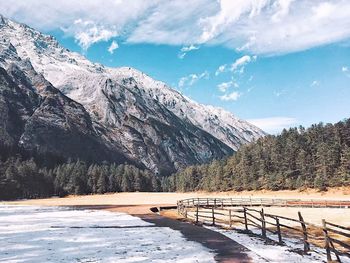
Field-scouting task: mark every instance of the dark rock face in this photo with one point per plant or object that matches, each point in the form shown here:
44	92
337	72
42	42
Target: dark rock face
36	115
153	134
47	121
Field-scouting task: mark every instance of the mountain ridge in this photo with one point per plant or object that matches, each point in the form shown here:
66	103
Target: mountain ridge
145	118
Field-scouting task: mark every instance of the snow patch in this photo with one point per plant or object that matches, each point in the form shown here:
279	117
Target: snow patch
53	234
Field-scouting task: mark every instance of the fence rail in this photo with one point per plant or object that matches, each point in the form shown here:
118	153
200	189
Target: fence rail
243	211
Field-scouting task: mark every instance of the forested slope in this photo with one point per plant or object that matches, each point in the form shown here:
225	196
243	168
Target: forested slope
317	157
25	174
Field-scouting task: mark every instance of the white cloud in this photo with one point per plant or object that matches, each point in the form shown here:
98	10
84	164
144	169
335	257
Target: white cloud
274	125
220	69
279	93
87	33
114	45
346	71
233	96
315	83
239	64
224	86
254	26
192	79
184	50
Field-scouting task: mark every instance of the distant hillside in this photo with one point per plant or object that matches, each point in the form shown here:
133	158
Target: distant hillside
317	157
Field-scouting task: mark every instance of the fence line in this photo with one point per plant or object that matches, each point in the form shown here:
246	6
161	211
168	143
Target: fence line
228	211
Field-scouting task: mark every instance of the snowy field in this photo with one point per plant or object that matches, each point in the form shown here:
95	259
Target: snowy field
262	252
51	234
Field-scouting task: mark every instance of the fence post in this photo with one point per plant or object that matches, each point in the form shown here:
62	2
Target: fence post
263	223
279	231
213	215
303	226
245	218
222	203
229	214
207	201
185	213
326	241
215	202
178	208
197	213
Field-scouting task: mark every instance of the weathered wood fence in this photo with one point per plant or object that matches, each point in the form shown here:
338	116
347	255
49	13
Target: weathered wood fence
228	212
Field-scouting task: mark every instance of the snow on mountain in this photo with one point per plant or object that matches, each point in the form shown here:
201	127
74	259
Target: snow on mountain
144	119
81	79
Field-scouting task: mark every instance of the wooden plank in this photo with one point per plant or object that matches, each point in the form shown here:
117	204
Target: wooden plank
278	230
263	223
338	232
204	216
213	215
303	226
230	218
343	254
289	227
245	218
254	223
253	216
251	209
343	244
339	226
326	241
336	254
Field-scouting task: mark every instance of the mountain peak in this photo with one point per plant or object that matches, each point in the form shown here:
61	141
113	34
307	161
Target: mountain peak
153	122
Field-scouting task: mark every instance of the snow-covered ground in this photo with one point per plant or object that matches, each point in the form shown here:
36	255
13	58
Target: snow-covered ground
52	234
262	252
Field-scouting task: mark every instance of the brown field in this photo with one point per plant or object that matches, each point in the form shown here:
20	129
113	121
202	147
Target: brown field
135	203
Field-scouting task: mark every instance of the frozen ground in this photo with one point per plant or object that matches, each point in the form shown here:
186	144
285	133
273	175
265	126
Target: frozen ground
262	252
51	234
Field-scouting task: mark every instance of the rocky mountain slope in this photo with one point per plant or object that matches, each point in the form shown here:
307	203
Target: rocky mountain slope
37	116
140	118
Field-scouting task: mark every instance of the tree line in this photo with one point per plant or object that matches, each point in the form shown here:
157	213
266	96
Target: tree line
22	176
298	158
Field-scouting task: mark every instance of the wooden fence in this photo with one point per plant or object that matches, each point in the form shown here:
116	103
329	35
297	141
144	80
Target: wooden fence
227	212
217	202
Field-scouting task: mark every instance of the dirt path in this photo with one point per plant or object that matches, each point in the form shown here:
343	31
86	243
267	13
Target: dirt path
227	250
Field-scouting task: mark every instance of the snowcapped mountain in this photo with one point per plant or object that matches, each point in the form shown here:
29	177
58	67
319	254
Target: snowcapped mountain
141	117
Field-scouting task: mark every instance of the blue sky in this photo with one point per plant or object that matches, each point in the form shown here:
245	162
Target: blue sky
277	63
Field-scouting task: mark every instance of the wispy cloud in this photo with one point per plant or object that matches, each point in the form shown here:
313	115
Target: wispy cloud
192	79
114	45
346	71
237	66
279	93
274	125
315	83
88	32
186	49
224	86
233	96
257	27
220	70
